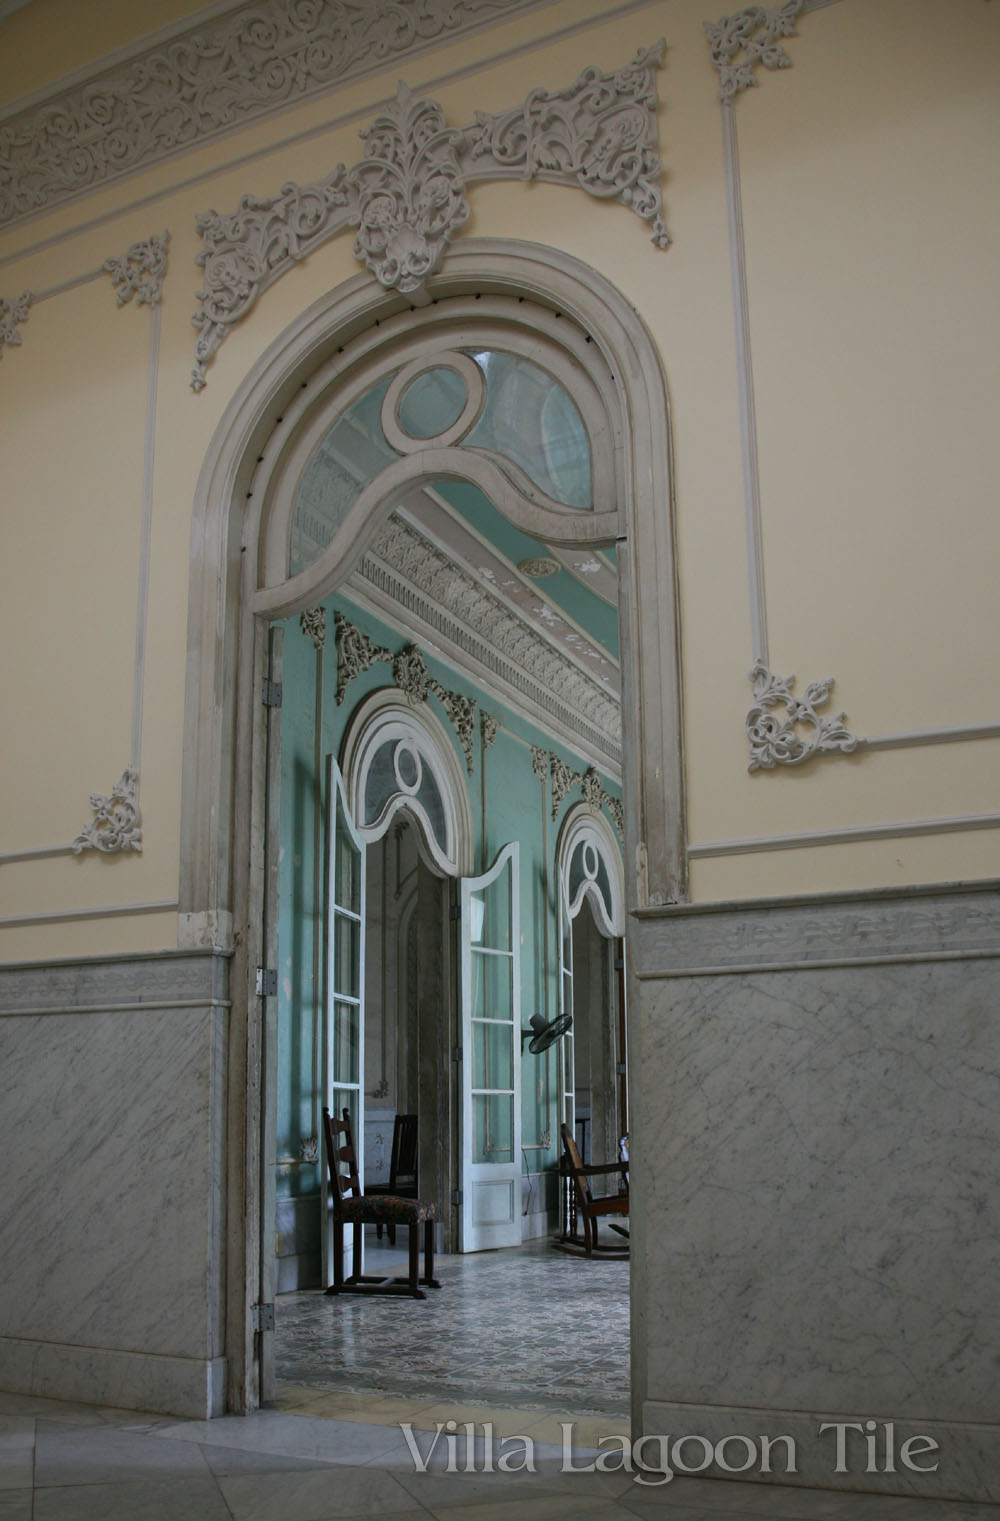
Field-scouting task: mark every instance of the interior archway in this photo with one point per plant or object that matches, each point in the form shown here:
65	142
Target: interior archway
233	601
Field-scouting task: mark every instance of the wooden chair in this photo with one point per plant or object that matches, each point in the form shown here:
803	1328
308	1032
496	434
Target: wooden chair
402	1182
589	1209
352	1207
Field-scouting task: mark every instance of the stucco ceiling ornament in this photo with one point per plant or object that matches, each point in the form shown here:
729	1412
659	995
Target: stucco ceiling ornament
11	314
407	196
801	733
116	824
139	272
213	76
752	32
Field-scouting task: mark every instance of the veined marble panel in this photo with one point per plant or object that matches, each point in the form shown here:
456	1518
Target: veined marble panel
112	1133
820	1151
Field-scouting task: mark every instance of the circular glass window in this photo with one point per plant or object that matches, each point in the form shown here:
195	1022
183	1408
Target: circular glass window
432	402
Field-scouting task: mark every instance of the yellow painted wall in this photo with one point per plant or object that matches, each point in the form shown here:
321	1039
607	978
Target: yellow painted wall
871	230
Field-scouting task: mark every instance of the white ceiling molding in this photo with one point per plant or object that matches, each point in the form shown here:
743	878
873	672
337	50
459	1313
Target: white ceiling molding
407	195
199	81
413	582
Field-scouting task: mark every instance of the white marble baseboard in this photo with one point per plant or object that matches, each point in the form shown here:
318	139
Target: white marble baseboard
188	1386
968	1465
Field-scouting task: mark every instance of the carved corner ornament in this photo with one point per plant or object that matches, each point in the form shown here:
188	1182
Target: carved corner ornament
407	195
116	824
788	740
313	623
740	42
11	314
138	273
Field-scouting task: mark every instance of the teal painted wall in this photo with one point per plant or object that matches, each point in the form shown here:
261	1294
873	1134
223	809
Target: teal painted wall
516	808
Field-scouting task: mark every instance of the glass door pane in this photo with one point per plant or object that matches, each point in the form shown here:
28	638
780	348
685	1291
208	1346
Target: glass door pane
342	1077
491	1056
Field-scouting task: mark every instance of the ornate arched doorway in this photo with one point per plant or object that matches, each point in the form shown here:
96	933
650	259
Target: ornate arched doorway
535	307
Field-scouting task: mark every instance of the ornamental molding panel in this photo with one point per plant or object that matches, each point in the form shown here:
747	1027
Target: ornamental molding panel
494	636
740	42
208	79
116	825
564	779
488	728
407	195
11	314
801	733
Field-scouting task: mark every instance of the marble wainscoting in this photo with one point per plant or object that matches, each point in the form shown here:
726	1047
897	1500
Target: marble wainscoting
112	1136
818	1138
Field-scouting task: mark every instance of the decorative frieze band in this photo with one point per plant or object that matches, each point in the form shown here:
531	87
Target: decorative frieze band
207	79
802	732
740	42
116	823
407	195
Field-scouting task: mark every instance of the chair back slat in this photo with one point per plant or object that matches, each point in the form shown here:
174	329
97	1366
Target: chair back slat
403	1164
579	1173
341	1155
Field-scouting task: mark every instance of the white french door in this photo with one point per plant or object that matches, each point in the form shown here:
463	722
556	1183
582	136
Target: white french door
490	1177
343	1036
565	1048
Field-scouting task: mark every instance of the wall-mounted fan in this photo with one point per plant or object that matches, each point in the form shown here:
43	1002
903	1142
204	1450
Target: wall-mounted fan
544	1033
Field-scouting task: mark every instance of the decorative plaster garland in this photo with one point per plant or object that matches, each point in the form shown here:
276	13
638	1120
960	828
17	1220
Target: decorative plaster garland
11	314
407	197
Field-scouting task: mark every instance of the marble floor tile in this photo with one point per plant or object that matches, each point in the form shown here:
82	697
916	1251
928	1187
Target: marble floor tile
316	1496
183	1499
523	1327
71	1456
330	1441
15	1505
17	1467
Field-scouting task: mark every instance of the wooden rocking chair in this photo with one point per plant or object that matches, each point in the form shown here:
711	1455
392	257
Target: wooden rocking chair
352	1207
591	1210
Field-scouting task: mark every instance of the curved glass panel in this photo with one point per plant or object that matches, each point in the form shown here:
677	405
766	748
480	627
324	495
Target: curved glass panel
382	784
588	864
349	455
529	417
432	402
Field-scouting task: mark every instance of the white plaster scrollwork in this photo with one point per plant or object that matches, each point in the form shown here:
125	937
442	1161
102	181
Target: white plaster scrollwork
219	74
600	134
313	623
409	192
355	653
752	32
116	824
407	195
11	314
801	733
139	272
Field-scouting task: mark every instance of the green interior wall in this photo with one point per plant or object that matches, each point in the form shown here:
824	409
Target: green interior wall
518	807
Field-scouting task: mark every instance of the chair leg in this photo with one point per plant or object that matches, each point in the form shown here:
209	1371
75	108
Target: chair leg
338	1257
414	1244
428	1277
